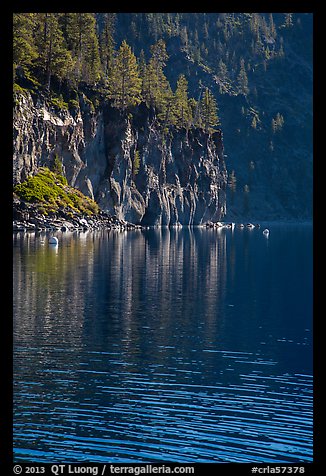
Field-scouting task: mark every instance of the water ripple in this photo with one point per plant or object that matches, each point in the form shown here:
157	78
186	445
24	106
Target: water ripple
127	348
141	420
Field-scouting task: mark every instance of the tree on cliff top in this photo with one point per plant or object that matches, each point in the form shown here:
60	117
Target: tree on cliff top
53	55
155	84
182	107
125	87
243	85
156	89
208	112
82	40
106	43
24	49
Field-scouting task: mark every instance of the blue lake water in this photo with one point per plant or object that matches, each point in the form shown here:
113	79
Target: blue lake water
188	345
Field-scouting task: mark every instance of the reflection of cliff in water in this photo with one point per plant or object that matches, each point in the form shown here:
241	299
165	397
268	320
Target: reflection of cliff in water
50	284
99	284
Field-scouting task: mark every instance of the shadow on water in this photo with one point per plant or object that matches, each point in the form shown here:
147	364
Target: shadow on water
178	345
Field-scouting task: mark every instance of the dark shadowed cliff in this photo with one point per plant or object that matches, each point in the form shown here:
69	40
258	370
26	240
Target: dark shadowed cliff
259	66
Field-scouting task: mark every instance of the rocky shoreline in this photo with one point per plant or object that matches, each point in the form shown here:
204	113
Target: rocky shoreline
232	225
26	217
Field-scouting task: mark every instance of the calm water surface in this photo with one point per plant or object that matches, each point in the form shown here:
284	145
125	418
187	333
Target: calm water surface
164	345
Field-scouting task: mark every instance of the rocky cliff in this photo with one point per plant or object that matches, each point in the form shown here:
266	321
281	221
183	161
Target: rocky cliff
125	162
273	168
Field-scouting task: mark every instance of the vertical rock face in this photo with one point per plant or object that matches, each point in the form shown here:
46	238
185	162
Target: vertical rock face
126	163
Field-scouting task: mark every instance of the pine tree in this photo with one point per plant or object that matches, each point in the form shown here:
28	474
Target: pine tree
184	38
254	23
159	55
264	27
267	52
193	105
278	122
259	46
83	42
243	79
272	28
208	111
24	49
91	66
281	53
142	64
148	84
182	106
63	19
222	71
53	55
106	43
133	30
125	87
288	20
166	106
156	88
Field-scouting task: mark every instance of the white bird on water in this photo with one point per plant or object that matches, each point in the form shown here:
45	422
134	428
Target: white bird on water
266	232
53	240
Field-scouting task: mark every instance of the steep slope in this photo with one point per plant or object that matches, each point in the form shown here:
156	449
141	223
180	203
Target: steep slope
257	65
270	162
124	161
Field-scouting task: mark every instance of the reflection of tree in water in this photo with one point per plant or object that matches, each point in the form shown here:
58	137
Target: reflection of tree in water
49	287
183	276
115	288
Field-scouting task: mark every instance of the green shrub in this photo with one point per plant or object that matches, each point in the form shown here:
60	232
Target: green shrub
57	168
50	191
58	102
42	210
19	89
62	179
